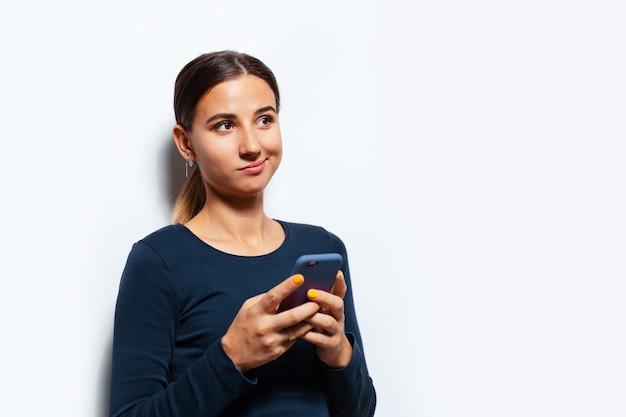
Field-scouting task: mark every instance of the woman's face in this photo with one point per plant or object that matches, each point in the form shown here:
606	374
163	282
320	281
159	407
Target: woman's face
236	138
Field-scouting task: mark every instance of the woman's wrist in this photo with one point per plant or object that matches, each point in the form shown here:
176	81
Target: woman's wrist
343	356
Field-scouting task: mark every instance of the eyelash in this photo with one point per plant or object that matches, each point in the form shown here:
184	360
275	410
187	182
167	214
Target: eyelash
228	125
267	119
220	125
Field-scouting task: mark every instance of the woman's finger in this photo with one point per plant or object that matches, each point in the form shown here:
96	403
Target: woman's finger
272	299
339	286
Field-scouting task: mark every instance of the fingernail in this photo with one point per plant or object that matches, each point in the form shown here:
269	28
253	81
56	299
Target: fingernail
312	294
297	279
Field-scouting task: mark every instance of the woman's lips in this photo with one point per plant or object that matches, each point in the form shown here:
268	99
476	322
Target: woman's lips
254	168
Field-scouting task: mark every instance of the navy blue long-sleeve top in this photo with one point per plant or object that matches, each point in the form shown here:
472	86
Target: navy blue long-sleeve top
178	296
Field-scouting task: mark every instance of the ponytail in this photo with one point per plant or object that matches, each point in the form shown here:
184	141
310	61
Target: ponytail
191	198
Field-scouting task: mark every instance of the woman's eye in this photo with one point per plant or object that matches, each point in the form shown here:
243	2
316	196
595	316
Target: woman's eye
223	126
265	121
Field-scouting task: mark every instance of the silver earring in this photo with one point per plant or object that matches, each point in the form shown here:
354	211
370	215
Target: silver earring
188	164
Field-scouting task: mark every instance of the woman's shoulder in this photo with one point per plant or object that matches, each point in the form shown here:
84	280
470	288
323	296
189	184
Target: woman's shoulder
166	238
312	233
165	233
304	228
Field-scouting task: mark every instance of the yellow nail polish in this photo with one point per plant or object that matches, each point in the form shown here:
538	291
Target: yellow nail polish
297	279
313	294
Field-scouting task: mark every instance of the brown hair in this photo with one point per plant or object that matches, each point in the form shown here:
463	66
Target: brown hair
193	82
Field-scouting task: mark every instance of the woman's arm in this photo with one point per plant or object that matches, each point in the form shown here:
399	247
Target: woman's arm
143	381
350	386
351	390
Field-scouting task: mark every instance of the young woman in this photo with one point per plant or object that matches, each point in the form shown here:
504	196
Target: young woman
197	327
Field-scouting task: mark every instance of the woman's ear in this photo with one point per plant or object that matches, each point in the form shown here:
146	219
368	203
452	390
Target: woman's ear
183	143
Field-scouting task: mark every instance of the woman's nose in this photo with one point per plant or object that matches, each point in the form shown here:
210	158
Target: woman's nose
249	144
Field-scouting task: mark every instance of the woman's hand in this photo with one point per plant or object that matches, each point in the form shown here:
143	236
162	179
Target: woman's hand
258	335
333	347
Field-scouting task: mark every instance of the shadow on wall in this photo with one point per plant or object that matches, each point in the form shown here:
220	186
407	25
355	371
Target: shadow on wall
173	179
105	381
175	171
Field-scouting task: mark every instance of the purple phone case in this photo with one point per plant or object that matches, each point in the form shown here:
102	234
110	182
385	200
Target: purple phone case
319	271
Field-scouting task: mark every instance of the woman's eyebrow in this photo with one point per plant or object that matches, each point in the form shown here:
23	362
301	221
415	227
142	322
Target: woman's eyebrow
264	109
220	116
234	116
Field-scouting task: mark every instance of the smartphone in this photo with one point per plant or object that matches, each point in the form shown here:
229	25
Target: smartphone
319	271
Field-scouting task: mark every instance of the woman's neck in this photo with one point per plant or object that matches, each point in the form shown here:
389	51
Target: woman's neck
240	228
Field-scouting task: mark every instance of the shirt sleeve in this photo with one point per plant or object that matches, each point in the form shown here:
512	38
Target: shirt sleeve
143	380
351	390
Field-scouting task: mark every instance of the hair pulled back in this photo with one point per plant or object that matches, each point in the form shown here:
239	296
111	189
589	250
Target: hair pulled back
195	79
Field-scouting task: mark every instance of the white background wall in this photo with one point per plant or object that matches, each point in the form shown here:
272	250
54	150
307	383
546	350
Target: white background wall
470	154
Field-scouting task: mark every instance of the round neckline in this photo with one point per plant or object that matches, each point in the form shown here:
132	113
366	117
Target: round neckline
213	249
